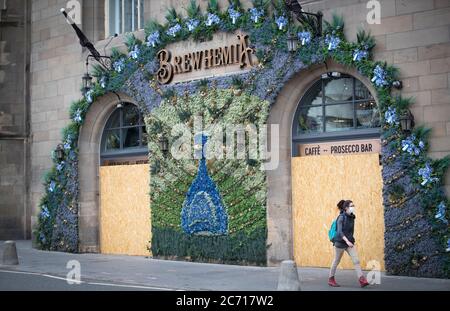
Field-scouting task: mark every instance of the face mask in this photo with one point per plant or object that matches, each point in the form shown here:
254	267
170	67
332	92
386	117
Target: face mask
351	210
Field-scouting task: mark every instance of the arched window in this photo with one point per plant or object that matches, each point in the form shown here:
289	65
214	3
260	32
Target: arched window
336	108
124	135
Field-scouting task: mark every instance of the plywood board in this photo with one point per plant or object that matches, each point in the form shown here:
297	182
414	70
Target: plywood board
125	226
318	183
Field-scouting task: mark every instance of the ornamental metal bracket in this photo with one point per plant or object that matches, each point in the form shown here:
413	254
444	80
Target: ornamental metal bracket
103	60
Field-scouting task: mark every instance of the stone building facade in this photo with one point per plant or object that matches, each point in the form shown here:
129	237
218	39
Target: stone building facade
414	35
15	207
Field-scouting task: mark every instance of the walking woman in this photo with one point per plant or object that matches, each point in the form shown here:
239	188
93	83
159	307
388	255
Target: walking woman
344	241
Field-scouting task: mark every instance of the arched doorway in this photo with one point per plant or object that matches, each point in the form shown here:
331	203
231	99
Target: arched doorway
124	181
335	149
90	157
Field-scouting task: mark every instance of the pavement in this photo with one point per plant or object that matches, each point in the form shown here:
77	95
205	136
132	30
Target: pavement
43	270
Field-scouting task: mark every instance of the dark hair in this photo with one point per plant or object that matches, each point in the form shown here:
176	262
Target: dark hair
343	204
340	205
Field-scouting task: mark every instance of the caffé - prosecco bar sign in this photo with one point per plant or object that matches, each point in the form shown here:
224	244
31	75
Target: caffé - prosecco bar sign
341	147
206	61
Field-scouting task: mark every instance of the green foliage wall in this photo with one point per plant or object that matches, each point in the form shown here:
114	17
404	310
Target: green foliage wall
241	182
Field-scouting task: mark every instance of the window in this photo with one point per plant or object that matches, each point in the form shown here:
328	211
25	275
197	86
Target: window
124	133
124	16
336	107
333	109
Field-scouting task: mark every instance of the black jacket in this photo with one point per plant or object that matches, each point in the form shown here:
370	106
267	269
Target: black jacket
345	227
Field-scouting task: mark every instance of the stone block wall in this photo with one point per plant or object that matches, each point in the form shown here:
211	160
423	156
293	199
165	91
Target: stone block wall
14	29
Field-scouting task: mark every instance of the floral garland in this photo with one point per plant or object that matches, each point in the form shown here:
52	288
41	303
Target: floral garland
409	174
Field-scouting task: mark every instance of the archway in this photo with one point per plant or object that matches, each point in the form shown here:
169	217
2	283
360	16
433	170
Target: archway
279	180
88	174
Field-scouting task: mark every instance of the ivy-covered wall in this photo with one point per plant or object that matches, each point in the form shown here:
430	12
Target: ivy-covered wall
417	239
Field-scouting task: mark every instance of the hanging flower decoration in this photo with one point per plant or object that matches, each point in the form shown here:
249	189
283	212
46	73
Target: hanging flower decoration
134	53
60	166
212	19
52	186
172	31
358	55
77	118
333	42
256	14
102	82
153	39
281	22
234	15
304	37
391	116
411	146
440	214
88	96
67	143
119	65
426	174
44	212
379	76
192	24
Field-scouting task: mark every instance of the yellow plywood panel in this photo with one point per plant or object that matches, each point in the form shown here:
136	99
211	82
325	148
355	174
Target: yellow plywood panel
125	226
318	183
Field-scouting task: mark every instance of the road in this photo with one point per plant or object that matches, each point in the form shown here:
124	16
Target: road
29	281
43	270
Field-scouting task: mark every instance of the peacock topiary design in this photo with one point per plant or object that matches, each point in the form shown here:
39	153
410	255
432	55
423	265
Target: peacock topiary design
203	211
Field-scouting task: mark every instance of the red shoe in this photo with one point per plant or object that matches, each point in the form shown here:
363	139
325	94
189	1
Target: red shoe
332	282
363	281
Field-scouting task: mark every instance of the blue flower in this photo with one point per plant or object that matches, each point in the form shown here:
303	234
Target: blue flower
379	76
134	53
60	166
281	22
409	145
440	214
255	14
333	42
212	19
118	65
68	142
359	54
391	116
52	186
103	82
42	237
44	212
172	31
234	15
192	24
88	96
153	39
425	173
77	118
304	37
